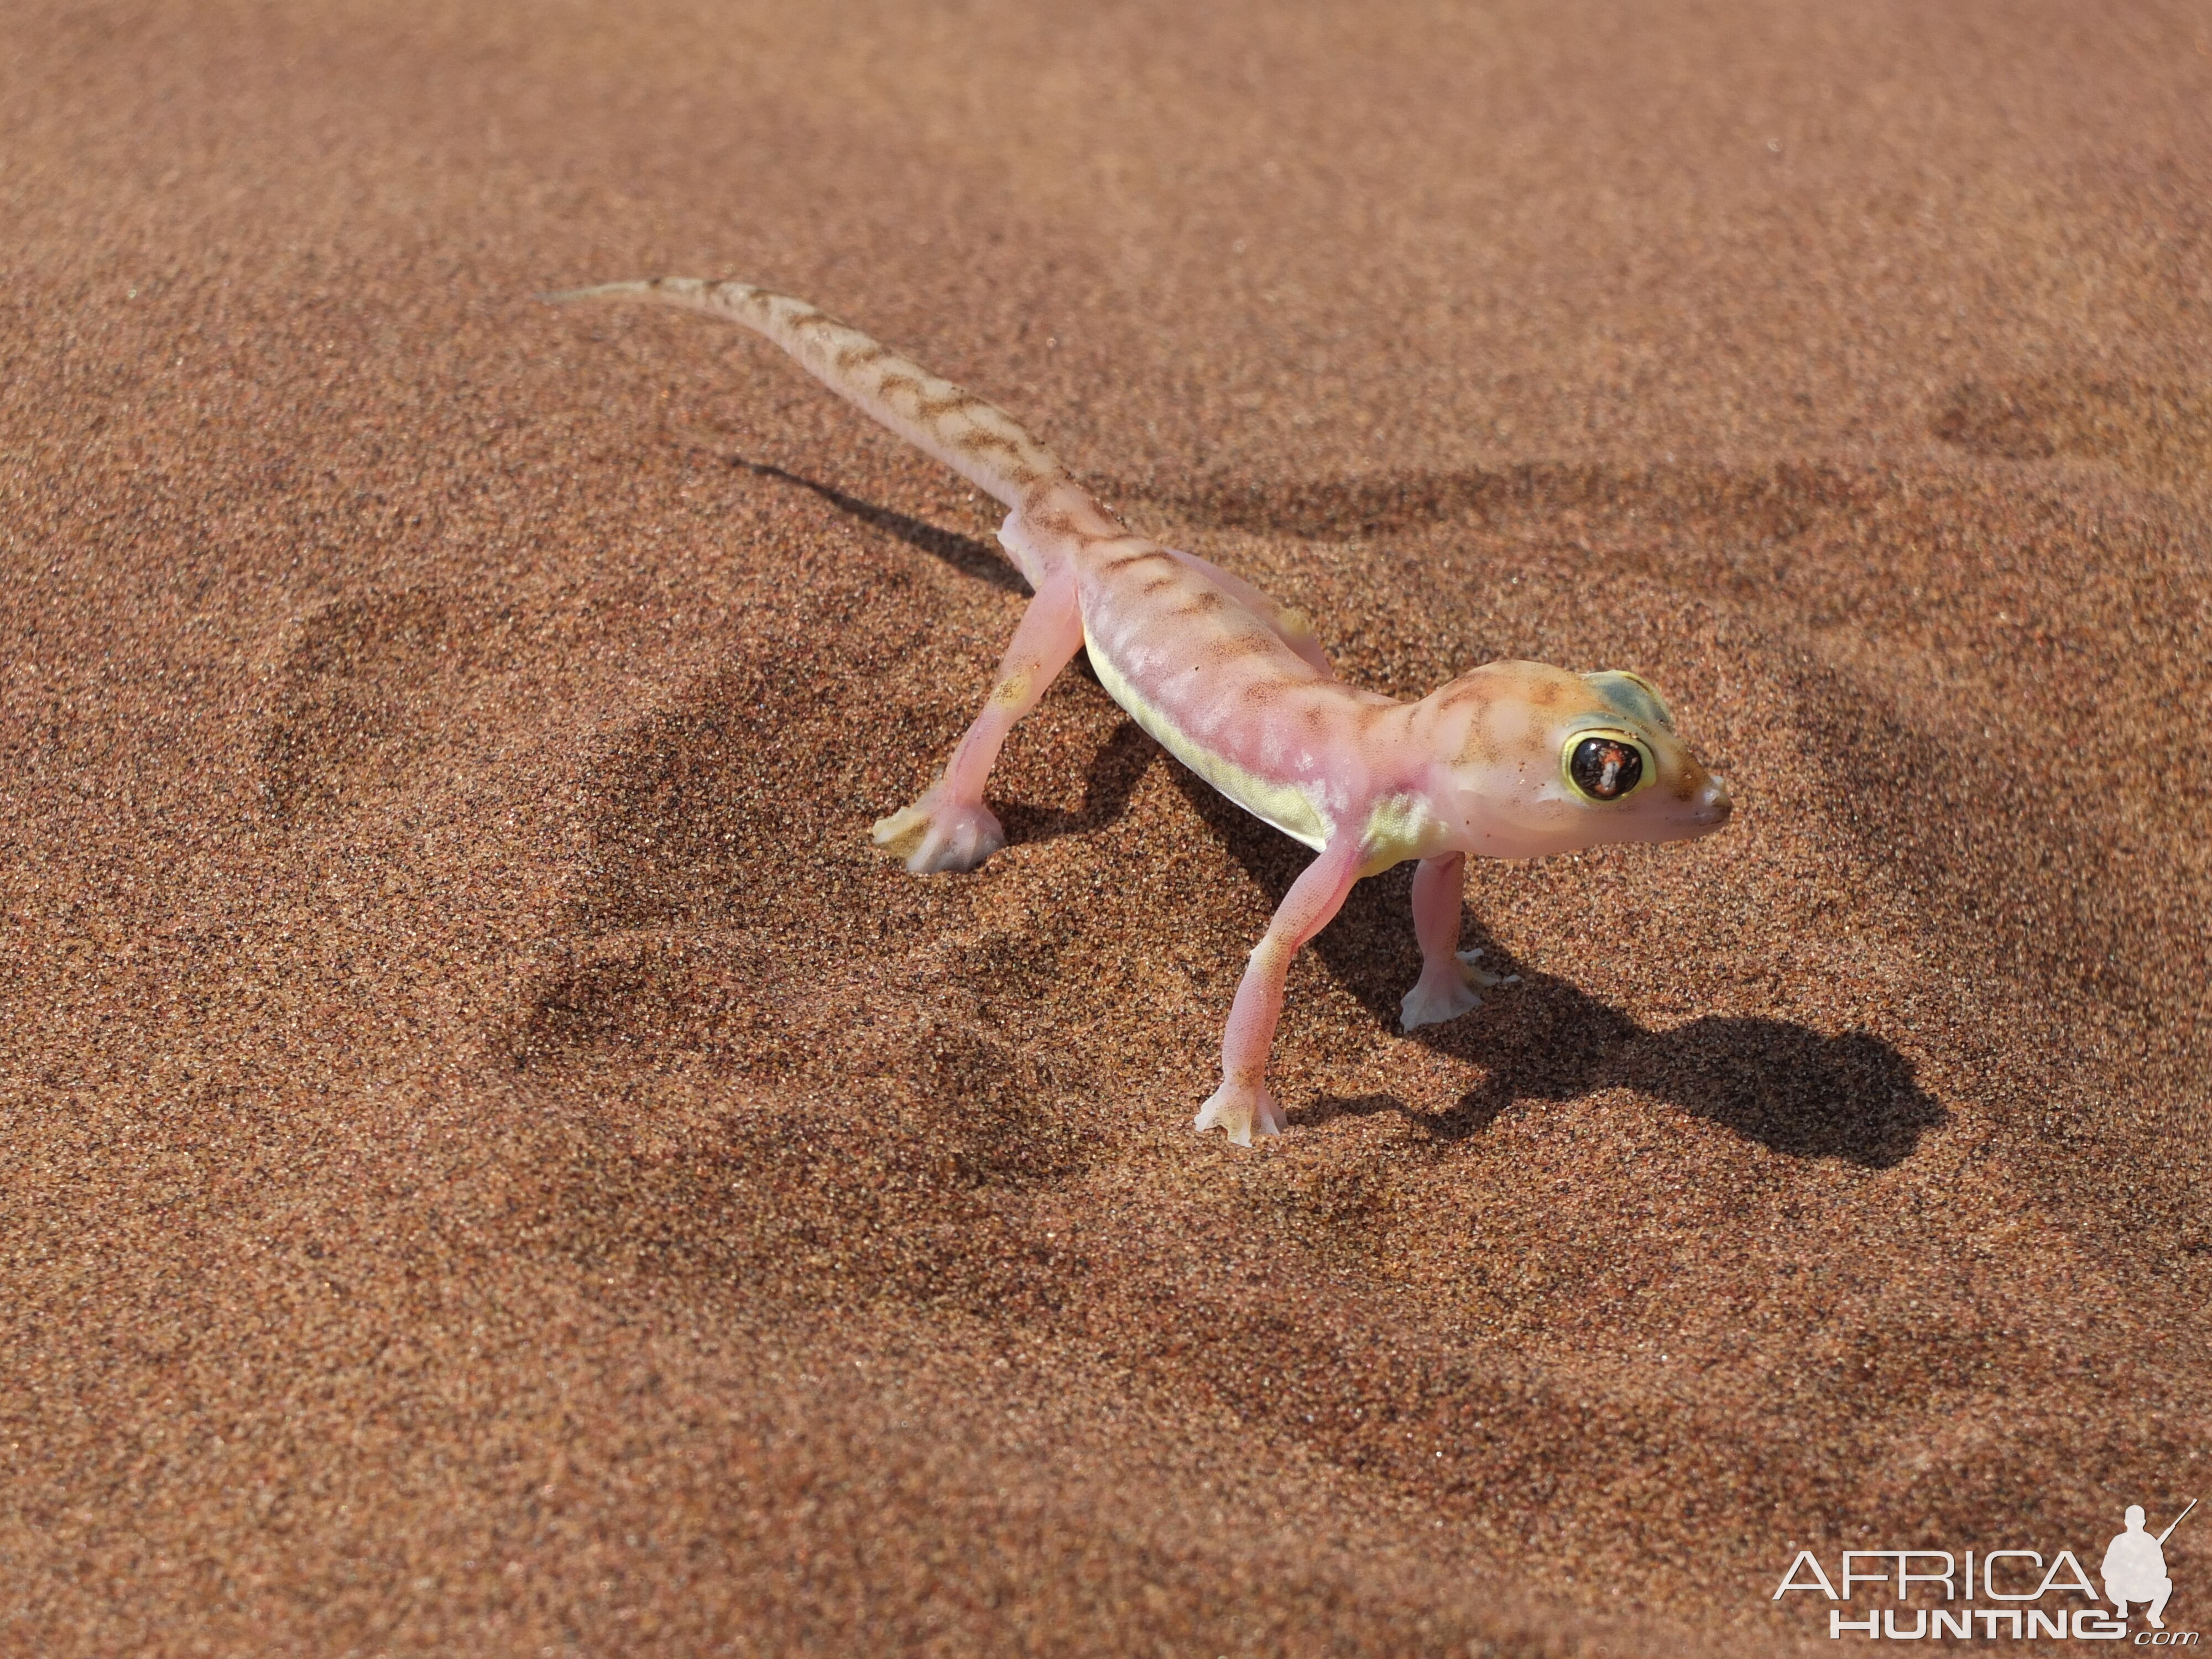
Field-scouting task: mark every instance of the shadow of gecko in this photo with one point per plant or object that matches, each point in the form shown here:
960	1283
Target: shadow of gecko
963	553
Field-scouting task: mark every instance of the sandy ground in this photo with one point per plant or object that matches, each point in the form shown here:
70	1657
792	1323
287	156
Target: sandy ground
496	1164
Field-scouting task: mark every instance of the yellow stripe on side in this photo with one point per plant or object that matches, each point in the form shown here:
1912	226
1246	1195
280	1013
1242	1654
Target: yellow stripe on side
1286	806
1401	827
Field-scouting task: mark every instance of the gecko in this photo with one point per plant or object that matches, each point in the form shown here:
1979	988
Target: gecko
1512	760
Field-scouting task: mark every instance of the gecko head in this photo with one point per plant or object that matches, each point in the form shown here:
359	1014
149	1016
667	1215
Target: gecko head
1546	761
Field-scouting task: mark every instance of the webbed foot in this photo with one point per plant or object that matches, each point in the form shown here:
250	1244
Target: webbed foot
933	835
1447	993
1243	1111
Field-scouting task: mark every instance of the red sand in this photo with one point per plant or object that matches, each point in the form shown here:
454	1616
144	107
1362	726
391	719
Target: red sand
495	1165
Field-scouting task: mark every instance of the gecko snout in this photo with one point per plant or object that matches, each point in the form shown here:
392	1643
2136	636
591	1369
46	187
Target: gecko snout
1711	805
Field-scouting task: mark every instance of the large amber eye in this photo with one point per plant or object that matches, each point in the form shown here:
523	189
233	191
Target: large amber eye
1604	765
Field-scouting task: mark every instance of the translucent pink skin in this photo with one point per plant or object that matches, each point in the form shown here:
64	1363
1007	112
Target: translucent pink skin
1239	688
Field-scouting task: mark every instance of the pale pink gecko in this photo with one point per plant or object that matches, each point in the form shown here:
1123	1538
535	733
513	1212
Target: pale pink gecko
1510	760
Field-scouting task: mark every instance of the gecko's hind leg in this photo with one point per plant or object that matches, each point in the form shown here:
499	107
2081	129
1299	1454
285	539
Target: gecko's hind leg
949	827
1447	988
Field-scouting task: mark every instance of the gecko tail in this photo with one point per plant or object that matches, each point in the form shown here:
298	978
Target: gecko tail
977	438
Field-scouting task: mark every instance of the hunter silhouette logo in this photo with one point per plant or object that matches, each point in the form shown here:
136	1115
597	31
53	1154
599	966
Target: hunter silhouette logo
2135	1566
2022	1595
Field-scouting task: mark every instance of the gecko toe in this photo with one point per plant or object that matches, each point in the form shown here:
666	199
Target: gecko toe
1425	1005
934	837
1447	993
1243	1111
901	832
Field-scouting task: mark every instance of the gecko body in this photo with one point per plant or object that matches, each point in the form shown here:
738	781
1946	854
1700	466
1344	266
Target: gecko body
1510	760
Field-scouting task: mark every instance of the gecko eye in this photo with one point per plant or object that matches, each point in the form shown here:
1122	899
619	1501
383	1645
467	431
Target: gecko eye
1605	766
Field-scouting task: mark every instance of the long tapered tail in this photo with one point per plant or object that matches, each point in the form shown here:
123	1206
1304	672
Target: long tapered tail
977	440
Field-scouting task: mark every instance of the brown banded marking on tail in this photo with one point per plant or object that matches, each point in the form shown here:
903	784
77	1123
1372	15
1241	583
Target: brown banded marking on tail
975	438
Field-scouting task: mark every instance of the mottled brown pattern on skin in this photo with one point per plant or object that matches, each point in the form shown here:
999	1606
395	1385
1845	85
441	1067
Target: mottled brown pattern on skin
1232	646
1370	716
1479	689
1482	747
1261	694
936	408
979	440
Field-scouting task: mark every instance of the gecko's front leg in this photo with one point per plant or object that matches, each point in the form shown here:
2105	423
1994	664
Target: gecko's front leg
1241	1104
1449	978
949	827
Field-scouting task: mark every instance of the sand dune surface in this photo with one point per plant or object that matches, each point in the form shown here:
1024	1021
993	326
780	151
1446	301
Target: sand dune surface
495	1162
